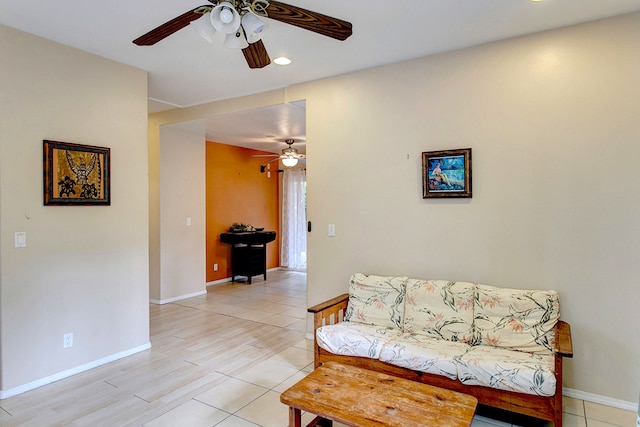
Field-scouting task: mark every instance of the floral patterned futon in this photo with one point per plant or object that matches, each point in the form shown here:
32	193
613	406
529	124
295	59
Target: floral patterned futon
481	335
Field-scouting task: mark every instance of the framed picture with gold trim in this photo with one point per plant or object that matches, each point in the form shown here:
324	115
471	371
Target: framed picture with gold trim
446	173
76	174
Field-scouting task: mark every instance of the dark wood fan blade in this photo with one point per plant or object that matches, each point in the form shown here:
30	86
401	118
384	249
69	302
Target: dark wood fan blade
256	55
308	20
168	28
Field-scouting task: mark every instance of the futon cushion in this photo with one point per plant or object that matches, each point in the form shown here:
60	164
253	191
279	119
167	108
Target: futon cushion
355	339
376	300
508	370
440	308
515	319
424	353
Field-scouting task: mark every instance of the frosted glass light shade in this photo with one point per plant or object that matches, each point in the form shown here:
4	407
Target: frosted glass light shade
225	18
236	40
290	161
253	26
203	27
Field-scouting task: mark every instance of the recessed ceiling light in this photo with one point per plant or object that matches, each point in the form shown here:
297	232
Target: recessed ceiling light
283	60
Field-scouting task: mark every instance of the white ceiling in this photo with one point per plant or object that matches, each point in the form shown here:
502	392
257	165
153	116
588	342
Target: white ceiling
184	70
263	129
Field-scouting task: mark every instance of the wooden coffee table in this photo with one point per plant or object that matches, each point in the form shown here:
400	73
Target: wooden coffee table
358	397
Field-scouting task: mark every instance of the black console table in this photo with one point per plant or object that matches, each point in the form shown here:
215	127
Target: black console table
248	252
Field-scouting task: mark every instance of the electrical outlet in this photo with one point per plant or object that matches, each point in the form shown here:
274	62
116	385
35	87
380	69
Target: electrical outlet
215	267
68	340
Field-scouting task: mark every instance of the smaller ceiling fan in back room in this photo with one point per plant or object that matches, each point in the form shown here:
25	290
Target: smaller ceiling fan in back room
290	156
240	21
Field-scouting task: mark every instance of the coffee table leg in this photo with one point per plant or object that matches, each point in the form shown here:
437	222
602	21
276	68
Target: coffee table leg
325	423
295	416
321	422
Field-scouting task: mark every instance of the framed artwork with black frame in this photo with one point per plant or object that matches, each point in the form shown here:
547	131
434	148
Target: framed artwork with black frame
76	174
446	173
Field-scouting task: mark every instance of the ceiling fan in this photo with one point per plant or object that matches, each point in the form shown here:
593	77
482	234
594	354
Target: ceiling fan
290	156
238	19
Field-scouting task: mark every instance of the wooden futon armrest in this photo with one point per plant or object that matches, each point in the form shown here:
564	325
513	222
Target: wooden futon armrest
329	312
564	346
324	305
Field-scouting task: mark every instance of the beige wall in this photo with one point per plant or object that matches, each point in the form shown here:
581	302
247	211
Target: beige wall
85	268
553	122
182	197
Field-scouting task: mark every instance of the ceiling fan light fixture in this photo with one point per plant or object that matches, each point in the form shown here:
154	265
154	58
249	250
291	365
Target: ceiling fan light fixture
253	27
290	161
225	18
203	27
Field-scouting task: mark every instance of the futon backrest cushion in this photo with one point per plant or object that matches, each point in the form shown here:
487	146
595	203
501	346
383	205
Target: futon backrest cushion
516	319
376	300
440	308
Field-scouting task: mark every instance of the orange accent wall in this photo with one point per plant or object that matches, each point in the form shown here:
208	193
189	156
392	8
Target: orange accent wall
238	192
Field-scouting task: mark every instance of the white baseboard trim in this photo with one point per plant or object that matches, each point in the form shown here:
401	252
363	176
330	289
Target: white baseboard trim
309	337
178	298
602	400
219	282
4	394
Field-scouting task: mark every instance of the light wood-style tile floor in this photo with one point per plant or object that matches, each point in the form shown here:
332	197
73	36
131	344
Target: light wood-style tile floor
221	359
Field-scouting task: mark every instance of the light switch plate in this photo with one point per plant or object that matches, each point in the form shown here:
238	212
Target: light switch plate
20	239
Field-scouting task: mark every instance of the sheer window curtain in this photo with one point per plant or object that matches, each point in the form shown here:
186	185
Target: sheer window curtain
294	220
